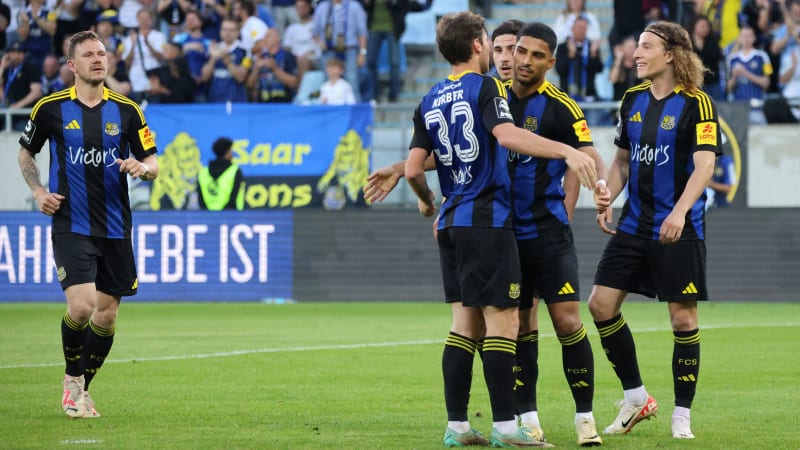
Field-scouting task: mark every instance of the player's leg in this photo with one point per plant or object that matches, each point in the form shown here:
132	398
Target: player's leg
685	364
622	268
679	271
75	258
527	365
459	349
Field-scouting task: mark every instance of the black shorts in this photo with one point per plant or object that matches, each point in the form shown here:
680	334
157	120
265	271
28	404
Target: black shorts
108	263
673	272
549	266
480	266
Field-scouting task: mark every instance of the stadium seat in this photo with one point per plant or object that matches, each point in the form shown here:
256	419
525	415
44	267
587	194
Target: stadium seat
310	84
420	29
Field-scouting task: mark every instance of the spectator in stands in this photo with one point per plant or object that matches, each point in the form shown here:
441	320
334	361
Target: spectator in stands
787	36
386	22
721	183
90	9
762	16
578	62
5	21
284	13
654	10
724	19
53	77
623	71
748	68
274	76
706	45
252	28
628	21
221	184
22	82
195	46
128	11
340	28
336	91
104	28
171	14
172	83
299	38
143	52
790	77
36	27
117	76
564	21
211	14
68	14
227	67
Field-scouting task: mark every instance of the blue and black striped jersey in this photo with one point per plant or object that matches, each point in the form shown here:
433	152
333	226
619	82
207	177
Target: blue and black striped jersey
662	136
84	144
537	192
455	120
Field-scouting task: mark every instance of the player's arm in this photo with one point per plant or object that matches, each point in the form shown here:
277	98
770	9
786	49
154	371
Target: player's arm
673	224
618	174
382	181
48	202
572	189
415	176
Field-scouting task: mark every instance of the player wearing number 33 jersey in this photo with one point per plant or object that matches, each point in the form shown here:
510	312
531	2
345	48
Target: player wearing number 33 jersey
471	166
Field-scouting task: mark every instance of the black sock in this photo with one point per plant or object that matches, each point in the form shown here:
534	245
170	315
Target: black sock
617	341
685	366
498	371
578	363
73	335
98	344
459	352
527	372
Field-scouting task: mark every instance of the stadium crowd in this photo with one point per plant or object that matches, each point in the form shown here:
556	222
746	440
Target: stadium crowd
185	51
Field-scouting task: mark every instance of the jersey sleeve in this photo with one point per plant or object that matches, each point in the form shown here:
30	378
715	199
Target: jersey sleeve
36	130
621	137
420	137
571	124
704	124
141	139
493	104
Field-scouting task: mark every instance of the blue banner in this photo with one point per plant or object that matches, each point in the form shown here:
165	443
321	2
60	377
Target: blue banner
180	256
307	149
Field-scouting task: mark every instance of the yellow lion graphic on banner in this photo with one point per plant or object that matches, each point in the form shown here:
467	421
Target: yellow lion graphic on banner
179	167
349	168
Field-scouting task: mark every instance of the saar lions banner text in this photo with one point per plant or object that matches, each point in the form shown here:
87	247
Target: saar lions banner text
180	256
291	156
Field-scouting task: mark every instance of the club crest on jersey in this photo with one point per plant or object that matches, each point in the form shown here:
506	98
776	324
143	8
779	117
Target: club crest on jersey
531	123
668	122
513	290
29	131
112	128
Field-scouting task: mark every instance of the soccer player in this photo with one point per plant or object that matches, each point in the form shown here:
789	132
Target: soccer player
548	257
667	140
465	122
97	139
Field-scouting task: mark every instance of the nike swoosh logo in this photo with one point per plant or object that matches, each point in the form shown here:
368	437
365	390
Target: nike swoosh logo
625	424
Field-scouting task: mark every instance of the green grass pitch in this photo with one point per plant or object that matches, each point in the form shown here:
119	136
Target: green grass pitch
368	376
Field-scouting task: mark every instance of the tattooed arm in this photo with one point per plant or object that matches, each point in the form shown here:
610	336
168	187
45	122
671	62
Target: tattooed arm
48	202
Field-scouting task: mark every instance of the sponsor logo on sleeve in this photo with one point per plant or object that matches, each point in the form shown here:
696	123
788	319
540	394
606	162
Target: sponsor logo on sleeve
582	131
706	133
146	138
28	132
501	107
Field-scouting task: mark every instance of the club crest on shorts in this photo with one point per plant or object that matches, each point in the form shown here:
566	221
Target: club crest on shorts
62	274
513	290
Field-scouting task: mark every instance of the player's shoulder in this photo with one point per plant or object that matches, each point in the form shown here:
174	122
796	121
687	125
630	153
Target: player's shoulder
124	103
634	91
561	101
51	101
702	102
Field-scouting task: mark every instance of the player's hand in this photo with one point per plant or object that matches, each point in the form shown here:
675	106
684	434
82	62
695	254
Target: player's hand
604	219
48	202
671	228
427	207
380	183
602	196
583	166
133	167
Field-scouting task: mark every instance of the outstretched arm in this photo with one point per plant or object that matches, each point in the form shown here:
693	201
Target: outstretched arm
383	180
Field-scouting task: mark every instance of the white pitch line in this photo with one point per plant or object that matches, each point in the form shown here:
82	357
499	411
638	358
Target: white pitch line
365	345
